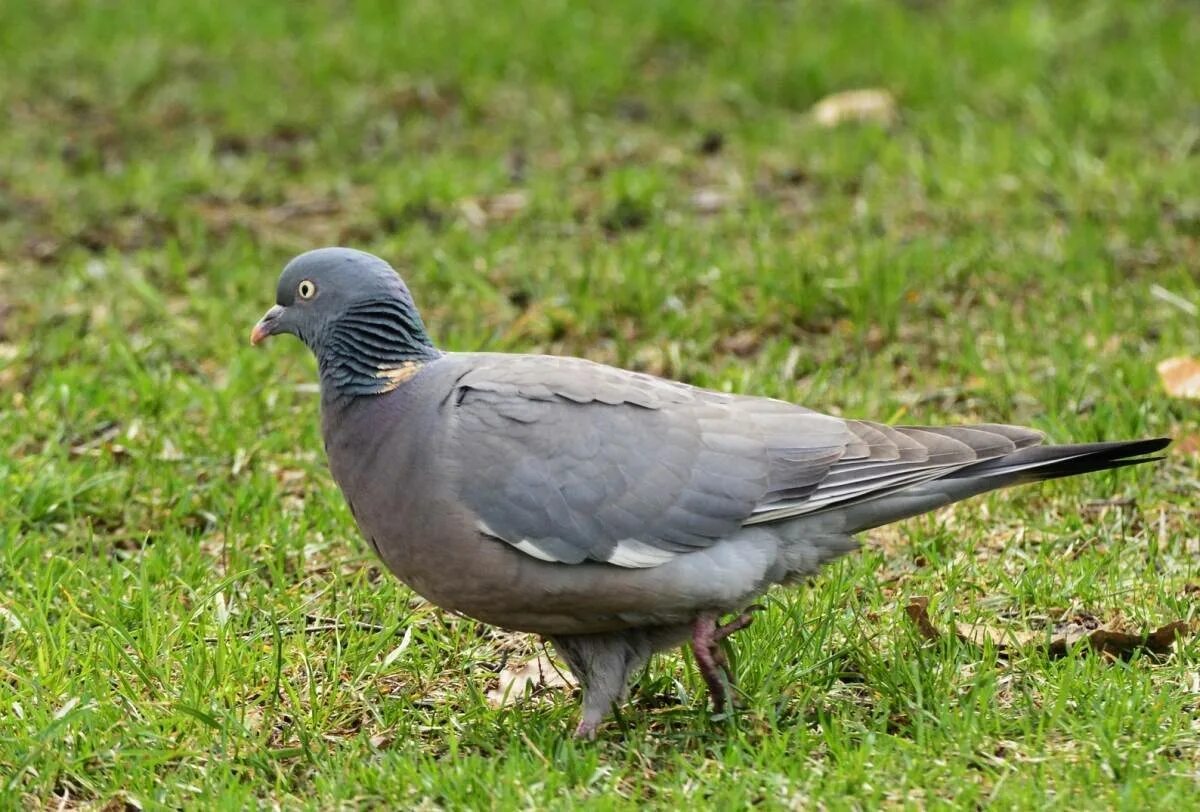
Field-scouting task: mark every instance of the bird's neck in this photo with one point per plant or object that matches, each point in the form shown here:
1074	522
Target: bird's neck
372	349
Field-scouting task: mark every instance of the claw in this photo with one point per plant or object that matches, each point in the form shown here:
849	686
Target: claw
738	623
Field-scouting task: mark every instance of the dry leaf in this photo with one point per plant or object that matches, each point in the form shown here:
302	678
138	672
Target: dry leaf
479	211
1122	644
538	673
122	802
743	343
868	104
1180	377
1188	444
1105	641
102	436
10	619
395	653
918	613
1001	639
710	201
381	741
240	458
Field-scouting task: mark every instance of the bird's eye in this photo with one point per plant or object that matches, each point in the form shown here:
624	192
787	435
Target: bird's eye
306	289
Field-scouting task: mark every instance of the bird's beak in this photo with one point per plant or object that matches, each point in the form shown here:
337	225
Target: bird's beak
267	325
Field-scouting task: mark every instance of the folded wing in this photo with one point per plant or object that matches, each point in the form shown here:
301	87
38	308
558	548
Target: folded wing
574	461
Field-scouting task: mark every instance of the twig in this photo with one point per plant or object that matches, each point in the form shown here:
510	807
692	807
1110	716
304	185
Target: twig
313	624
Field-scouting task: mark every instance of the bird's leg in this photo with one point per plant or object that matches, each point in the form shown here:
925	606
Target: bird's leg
710	659
707	636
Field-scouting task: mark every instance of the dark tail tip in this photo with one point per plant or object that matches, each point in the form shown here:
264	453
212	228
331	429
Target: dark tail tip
1055	461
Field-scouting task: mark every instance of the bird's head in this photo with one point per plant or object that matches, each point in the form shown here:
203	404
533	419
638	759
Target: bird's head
352	310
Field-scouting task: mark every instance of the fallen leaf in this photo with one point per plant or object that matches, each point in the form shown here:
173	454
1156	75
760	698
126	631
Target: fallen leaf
122	802
710	201
536	674
1109	642
918	613
1122	644
381	741
1180	377
10	619
66	708
479	211
291	480
1188	444
1002	639
240	458
395	653
864	105
101	436
743	343
507	205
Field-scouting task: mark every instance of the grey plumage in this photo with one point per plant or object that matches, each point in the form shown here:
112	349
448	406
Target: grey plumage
613	512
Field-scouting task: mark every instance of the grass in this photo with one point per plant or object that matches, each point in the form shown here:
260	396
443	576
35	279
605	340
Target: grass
187	616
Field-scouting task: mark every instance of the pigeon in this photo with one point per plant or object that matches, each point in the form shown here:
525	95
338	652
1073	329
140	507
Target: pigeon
614	513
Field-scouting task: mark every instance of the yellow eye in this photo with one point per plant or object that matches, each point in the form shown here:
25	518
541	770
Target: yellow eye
306	289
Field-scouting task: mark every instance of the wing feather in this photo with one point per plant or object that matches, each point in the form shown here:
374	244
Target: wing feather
574	461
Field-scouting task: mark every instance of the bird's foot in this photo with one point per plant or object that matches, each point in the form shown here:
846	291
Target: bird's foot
586	731
738	623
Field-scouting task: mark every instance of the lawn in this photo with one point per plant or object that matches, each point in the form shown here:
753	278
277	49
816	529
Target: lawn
187	615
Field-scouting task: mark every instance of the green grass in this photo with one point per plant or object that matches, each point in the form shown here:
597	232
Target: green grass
187	616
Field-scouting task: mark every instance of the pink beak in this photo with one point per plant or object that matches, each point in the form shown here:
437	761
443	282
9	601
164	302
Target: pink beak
266	325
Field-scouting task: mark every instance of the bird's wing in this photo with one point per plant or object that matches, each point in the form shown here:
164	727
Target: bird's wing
571	461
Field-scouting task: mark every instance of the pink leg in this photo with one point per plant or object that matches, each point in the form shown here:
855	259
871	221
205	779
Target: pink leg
738	623
710	659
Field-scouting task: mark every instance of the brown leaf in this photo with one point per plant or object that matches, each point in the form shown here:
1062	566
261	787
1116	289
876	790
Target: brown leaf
918	613
1002	639
381	741
479	211
122	803
1105	641
539	673
710	201
1180	377
743	343
102	438
863	105
169	452
1188	444
1122	644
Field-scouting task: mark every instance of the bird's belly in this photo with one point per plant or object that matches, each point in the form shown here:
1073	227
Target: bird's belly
483	579
449	563
429	540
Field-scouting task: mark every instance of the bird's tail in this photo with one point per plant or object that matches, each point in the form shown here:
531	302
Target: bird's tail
1031	464
1043	462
